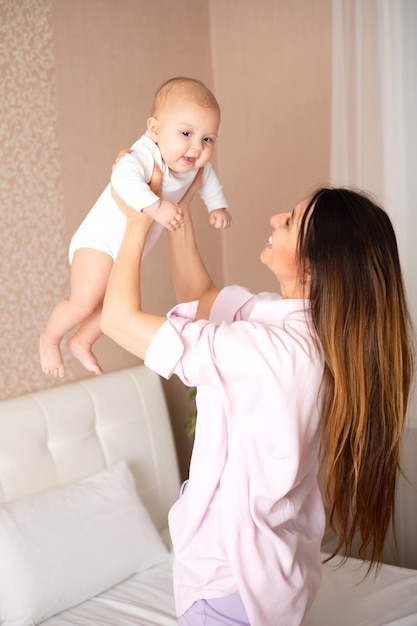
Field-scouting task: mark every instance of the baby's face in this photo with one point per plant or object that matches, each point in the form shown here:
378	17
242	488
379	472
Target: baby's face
185	134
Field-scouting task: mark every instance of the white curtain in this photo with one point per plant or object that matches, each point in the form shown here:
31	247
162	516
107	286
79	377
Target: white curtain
374	147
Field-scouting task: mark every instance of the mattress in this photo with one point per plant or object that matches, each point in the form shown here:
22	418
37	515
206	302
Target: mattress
344	599
347	599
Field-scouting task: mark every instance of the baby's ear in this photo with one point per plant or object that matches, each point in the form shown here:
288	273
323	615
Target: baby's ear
152	125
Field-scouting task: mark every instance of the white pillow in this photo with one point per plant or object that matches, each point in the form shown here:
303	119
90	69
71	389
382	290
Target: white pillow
65	546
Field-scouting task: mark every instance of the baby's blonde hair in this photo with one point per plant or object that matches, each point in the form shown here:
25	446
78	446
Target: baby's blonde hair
188	88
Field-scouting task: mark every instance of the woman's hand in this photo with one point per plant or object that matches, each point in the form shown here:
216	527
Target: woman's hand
155	185
119	156
156	181
124	208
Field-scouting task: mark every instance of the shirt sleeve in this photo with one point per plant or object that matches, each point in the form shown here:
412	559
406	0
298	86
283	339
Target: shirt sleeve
181	334
233	303
211	190
167	347
130	178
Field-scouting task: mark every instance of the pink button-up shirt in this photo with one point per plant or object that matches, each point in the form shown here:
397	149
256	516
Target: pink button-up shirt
251	518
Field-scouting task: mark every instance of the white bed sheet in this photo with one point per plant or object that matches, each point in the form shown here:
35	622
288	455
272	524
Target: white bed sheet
145	599
344	599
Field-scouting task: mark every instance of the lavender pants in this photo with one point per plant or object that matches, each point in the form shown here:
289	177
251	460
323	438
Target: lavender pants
227	611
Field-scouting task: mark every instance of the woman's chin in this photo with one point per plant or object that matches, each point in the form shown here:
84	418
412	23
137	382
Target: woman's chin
264	256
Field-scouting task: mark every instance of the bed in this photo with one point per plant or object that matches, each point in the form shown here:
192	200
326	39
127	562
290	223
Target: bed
88	472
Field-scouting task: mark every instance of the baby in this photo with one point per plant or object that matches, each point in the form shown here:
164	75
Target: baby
180	138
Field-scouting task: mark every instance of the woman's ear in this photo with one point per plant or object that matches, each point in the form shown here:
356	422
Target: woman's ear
152	125
306	277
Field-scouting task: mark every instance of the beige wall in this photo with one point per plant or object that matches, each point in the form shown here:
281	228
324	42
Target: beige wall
272	73
77	78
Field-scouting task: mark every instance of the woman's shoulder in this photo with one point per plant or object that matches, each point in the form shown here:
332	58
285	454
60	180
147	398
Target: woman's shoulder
235	302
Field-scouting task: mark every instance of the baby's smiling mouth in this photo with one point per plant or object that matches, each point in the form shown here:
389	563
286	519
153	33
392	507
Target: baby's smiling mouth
189	160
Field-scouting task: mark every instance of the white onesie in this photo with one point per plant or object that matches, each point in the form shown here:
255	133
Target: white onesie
104	226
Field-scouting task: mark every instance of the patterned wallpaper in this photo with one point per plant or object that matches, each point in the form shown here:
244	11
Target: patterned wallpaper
34	267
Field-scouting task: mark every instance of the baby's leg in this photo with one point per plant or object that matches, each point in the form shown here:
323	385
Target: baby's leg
80	345
90	270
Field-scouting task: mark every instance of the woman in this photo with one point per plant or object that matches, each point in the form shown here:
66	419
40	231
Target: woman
322	371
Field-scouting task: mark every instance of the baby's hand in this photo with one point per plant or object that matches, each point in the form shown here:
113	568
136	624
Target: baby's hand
220	218
170	215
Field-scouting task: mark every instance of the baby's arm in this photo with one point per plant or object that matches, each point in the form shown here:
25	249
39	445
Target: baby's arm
220	218
212	193
166	213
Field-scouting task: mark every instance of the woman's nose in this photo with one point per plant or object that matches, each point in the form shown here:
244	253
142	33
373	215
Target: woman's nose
277	219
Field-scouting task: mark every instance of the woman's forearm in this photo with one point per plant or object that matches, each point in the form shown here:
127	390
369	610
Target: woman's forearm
122	317
190	276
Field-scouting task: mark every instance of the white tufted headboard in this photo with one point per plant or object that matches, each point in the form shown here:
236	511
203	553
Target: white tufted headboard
57	436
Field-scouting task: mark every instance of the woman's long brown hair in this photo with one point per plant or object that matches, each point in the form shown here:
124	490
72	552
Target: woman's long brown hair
360	316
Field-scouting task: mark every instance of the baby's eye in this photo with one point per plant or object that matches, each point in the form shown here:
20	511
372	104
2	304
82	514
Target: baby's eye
208	140
287	222
186	133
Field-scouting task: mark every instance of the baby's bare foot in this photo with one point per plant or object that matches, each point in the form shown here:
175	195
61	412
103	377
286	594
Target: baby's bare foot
51	358
82	351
